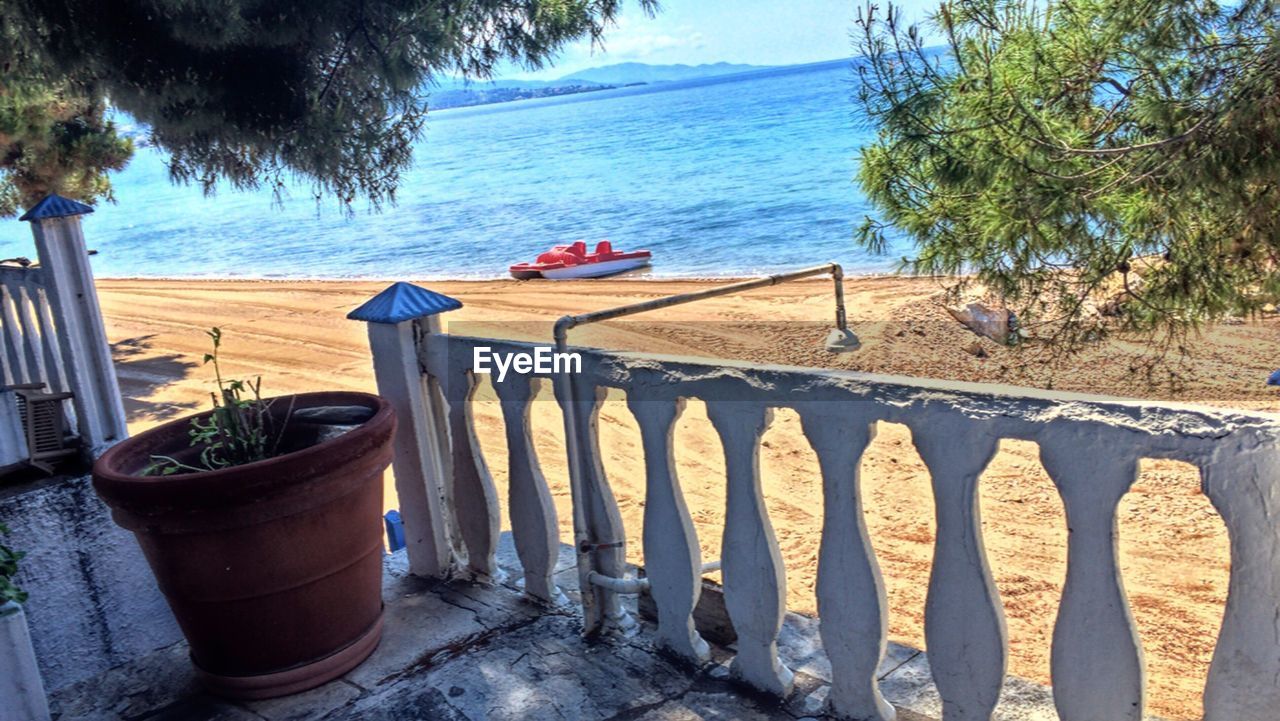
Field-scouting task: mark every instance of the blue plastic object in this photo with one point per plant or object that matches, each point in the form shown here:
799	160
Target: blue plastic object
55	206
401	302
1274	378
395	530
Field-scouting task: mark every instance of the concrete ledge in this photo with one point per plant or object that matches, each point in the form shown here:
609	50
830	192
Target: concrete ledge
94	603
462	650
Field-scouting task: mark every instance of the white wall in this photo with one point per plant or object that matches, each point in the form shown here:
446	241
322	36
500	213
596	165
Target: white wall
13	446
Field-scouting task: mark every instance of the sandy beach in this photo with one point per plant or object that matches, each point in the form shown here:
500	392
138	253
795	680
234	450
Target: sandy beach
1173	549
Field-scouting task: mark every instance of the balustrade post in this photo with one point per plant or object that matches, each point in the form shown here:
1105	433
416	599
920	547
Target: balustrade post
672	556
599	535
26	298
82	336
402	319
964	625
1242	479
755	583
472	496
1097	657
852	606
532	510
13	365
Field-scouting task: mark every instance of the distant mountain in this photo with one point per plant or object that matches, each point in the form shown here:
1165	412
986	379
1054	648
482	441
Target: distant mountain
459	92
630	73
493	93
448	84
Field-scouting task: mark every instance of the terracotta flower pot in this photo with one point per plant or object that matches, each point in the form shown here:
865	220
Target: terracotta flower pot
273	569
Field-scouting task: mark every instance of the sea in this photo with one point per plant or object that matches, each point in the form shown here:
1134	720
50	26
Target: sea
728	176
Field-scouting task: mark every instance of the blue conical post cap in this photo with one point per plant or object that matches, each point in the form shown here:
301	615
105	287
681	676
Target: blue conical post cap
401	302
55	206
1274	378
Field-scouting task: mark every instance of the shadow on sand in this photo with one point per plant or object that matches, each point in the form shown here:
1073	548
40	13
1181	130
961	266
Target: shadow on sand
142	374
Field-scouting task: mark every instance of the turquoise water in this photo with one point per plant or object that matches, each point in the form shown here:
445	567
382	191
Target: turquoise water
724	176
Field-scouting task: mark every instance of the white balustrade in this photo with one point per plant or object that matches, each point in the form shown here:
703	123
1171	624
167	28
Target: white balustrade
854	634
963	620
474	497
672	555
85	356
533	514
30	353
599	533
1244	679
421	459
755	583
1097	659
1089	446
26	331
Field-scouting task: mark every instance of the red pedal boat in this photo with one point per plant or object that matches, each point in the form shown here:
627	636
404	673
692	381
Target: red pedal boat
573	261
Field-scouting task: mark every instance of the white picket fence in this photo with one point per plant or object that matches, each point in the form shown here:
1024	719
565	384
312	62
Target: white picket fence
1090	447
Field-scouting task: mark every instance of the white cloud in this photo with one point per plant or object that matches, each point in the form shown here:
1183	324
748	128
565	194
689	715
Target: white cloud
634	44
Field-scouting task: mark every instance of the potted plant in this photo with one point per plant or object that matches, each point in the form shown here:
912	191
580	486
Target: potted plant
21	690
261	520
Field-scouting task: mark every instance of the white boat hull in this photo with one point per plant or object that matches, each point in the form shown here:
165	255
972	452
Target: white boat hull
595	270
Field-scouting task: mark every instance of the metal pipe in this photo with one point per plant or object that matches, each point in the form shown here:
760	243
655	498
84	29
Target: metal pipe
583	541
632	586
629	586
562	326
837	275
578	493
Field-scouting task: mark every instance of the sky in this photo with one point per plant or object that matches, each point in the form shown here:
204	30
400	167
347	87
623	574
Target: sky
693	32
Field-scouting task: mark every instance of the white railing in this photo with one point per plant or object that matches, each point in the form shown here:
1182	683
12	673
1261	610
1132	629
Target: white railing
51	328
29	353
1090	447
28	338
